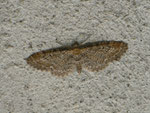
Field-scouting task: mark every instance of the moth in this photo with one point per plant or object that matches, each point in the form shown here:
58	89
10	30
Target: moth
93	56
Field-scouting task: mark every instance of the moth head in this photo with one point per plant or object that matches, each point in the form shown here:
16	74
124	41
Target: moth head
75	44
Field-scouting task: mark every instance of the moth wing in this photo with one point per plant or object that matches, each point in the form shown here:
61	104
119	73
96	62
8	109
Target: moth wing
100	55
57	62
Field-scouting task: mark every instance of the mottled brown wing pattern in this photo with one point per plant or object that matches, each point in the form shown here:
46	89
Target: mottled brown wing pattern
92	56
100	55
58	63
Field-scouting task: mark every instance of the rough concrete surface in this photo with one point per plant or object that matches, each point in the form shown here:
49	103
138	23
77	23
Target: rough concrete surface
27	26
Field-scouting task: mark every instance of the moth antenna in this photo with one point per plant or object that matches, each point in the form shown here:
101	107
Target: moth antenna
84	36
62	44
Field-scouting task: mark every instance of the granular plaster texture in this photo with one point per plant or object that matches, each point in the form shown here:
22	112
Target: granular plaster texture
28	26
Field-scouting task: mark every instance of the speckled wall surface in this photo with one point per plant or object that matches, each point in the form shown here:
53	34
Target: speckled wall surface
29	26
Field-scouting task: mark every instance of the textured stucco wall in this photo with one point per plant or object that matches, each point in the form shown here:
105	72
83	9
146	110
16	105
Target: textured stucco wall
27	26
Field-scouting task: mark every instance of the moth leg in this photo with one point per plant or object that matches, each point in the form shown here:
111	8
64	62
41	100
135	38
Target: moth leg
79	68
